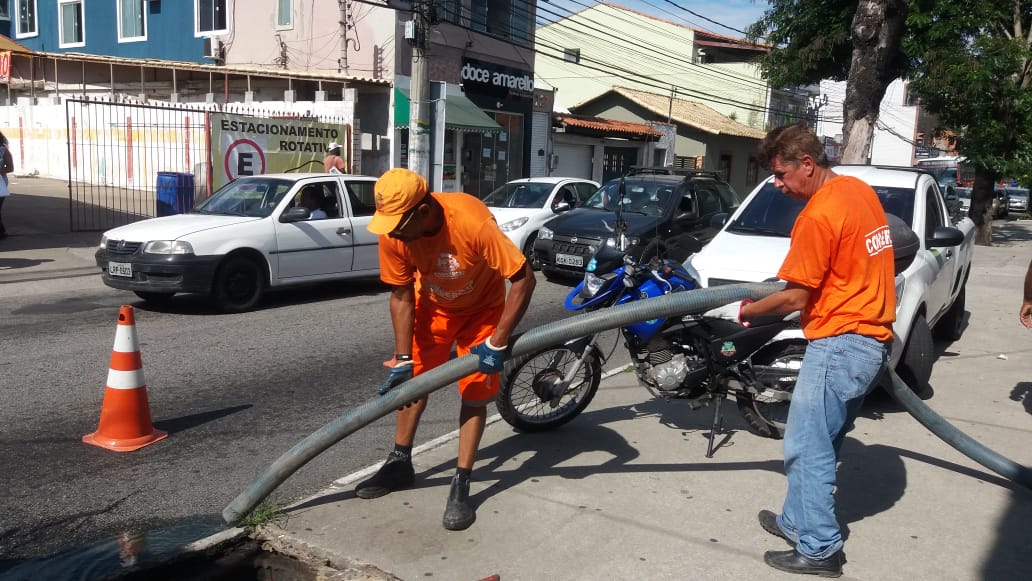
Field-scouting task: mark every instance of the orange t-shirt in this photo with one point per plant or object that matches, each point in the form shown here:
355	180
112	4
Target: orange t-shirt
842	251
462	268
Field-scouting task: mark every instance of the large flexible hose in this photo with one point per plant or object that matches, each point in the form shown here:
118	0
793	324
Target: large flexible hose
675	304
954	437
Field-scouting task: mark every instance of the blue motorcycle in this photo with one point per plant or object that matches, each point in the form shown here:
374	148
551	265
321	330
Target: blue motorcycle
701	359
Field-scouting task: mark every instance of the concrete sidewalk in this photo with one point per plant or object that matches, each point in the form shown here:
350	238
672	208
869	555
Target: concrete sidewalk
625	490
39	244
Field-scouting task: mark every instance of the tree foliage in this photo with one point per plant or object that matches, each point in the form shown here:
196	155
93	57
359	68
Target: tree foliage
970	62
810	40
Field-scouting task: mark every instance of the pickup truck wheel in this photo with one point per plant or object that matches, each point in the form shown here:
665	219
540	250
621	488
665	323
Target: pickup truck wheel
951	325
915	367
239	284
155	297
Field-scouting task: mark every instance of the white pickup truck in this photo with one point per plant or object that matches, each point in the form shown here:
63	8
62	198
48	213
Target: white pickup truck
929	292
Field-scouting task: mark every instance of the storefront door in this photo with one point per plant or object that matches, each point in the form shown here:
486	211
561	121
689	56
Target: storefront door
489	160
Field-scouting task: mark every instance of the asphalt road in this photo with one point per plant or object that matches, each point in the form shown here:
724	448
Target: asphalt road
233	391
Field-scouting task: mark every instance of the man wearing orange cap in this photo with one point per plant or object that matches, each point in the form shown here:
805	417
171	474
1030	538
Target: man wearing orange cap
447	262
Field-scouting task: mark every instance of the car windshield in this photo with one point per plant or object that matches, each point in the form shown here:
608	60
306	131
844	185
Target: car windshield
772	213
254	197
639	197
963	193
1019	193
520	195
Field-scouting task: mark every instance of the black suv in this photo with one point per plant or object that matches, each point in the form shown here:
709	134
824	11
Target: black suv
671	211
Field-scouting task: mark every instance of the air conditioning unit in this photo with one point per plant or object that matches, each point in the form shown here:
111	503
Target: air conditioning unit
213	49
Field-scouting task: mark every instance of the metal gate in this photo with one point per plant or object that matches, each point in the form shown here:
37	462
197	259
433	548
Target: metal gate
120	155
115	152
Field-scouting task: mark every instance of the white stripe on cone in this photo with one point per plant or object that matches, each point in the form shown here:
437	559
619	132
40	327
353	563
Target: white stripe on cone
126	340
125	379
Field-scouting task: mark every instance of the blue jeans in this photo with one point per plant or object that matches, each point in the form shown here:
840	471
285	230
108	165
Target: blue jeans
836	374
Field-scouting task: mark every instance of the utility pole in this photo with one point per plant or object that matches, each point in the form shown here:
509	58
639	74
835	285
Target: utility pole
343	64
419	106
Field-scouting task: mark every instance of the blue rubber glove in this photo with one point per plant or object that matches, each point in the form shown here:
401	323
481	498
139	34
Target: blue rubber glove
399	374
492	359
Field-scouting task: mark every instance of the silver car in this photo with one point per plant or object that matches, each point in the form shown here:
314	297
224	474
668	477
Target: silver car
1017	200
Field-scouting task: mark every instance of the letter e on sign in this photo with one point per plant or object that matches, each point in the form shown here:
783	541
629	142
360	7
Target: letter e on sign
243	158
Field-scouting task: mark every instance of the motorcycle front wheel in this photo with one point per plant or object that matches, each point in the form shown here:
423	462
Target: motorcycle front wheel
767	412
532	399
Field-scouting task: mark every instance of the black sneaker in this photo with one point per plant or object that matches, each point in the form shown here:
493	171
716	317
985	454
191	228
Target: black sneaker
395	474
459	513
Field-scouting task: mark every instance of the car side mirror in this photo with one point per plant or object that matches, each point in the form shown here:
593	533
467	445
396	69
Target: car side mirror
561	207
718	220
295	214
945	236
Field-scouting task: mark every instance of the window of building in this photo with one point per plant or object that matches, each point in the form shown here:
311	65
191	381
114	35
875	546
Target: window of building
571	55
27	24
132	21
5	11
510	19
70	25
284	14
210	16
450	11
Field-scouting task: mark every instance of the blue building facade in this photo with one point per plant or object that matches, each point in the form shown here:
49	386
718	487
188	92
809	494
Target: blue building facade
152	29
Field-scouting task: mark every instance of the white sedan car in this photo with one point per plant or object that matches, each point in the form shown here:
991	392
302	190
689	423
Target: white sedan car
252	235
521	206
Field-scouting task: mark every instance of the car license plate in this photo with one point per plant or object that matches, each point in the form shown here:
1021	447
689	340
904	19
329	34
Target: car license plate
569	260
124	269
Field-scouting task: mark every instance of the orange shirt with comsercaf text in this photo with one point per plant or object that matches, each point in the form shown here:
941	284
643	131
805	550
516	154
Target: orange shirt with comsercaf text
463	268
842	251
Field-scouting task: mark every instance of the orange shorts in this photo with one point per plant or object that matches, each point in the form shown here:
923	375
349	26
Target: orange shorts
435	331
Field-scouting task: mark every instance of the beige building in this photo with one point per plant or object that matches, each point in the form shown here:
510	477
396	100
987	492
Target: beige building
606	45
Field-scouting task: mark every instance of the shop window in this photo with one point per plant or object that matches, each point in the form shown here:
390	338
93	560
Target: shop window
70	25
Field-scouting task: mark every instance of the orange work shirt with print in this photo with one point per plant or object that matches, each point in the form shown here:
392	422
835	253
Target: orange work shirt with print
463	268
841	250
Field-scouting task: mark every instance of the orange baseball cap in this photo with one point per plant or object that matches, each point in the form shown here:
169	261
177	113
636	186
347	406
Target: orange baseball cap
396	192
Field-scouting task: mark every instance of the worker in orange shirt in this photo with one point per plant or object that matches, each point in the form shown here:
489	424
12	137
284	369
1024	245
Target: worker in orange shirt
839	273
447	262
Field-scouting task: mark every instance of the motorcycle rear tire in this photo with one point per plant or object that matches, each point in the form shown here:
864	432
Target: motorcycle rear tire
528	411
769	419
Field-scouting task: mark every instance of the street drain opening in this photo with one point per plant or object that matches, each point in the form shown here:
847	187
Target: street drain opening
247	560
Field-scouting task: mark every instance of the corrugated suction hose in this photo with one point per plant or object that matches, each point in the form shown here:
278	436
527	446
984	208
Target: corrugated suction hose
676	304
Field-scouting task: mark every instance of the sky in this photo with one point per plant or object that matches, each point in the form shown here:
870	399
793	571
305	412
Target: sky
738	14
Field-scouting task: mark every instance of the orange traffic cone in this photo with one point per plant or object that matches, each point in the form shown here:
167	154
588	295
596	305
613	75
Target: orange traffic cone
125	420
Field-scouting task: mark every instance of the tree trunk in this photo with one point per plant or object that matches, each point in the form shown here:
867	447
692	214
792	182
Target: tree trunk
877	32
982	194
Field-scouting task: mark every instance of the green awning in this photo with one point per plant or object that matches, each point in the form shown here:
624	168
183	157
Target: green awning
460	114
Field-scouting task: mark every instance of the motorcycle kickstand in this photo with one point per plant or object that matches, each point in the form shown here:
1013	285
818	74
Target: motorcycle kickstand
718	426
